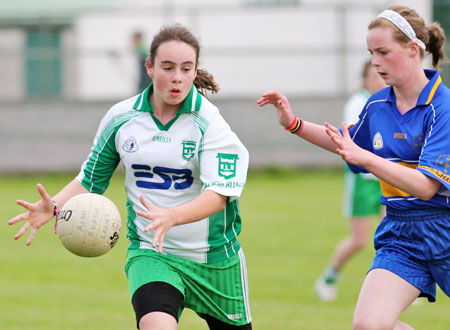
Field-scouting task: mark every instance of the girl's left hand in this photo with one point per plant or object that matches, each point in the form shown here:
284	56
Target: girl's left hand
161	221
346	148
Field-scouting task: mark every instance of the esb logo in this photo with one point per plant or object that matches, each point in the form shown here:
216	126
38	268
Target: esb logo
162	177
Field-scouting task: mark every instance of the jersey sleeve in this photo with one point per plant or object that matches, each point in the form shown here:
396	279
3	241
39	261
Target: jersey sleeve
434	160
103	159
223	159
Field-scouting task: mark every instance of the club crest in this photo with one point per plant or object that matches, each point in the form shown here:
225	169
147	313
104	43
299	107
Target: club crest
377	141
227	165
188	149
130	145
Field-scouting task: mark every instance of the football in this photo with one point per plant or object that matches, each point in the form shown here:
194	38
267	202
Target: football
89	225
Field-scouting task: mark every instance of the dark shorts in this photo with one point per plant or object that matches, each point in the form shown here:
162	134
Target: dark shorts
415	245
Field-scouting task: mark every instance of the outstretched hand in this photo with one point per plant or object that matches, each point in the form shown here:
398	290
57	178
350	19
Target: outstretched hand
38	214
281	103
346	148
161	221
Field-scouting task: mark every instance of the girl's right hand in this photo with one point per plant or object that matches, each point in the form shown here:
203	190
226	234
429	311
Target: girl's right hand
37	215
281	103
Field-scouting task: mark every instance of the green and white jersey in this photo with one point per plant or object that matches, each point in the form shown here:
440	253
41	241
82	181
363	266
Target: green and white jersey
170	165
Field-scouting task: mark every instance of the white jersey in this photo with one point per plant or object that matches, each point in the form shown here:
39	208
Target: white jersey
354	106
170	165
352	109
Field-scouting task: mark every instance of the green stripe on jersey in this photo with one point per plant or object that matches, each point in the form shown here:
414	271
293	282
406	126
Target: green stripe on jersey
104	157
201	122
224	227
132	233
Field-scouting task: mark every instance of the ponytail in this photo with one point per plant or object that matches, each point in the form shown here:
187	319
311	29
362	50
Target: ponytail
436	43
205	82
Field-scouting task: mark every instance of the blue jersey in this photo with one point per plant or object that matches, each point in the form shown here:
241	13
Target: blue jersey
418	139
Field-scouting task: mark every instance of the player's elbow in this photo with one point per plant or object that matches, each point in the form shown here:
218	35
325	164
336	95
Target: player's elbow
428	189
427	193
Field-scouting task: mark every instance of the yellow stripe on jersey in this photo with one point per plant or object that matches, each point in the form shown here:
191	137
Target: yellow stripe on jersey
433	90
444	177
389	190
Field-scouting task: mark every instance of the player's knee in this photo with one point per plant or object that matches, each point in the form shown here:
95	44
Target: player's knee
157	320
360	243
372	323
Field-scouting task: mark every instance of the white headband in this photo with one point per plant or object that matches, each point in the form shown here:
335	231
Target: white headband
403	25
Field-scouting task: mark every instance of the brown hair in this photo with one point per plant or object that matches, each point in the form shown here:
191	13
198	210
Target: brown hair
204	80
366	67
432	36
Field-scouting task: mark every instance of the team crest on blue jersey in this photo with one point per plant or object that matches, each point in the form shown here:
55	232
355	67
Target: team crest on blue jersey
444	160
377	141
227	165
417	143
130	145
188	149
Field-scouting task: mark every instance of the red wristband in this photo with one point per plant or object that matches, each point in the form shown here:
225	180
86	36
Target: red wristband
292	125
299	127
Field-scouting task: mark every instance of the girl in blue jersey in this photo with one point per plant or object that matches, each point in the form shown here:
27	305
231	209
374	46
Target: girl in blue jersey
184	170
402	137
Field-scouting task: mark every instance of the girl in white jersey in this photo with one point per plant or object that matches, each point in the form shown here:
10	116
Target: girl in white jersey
402	137
184	170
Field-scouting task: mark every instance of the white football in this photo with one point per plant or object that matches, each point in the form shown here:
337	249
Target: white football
89	225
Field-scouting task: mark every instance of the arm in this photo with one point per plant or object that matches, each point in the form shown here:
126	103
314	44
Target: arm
204	205
41	212
409	180
313	133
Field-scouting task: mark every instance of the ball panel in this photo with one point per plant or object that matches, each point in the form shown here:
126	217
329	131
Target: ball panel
89	225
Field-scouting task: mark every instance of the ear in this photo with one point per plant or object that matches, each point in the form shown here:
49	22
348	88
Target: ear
414	48
149	68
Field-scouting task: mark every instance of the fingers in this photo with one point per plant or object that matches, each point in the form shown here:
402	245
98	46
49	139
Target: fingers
271	97
332	129
25	204
145	202
344	128
156	224
43	192
22	230
32	233
158	240
20	217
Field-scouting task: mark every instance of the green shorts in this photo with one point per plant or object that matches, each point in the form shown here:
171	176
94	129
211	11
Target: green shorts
361	195
218	289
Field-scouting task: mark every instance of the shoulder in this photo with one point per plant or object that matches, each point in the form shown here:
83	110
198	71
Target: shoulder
207	108
205	114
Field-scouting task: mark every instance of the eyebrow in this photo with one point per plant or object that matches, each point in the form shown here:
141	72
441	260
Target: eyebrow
170	62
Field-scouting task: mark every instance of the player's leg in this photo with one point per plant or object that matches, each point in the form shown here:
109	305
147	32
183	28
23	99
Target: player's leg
157	291
326	285
215	324
218	292
361	203
158	320
383	297
359	237
157	306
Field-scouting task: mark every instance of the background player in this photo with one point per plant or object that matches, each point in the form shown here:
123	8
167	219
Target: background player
402	138
361	195
184	170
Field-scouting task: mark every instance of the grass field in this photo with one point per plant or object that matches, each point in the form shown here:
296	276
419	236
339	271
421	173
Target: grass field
291	223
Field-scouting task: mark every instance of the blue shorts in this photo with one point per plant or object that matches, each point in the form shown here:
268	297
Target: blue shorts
415	245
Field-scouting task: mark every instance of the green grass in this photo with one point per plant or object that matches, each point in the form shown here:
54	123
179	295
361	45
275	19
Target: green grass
291	223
